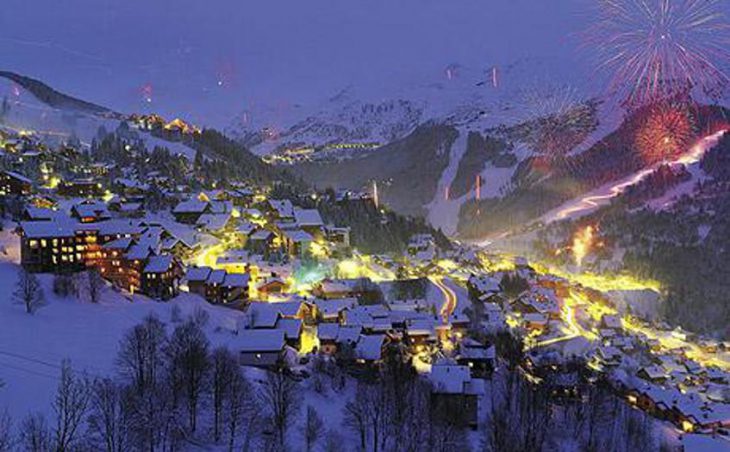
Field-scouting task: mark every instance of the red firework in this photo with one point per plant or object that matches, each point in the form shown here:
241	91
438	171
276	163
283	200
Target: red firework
664	131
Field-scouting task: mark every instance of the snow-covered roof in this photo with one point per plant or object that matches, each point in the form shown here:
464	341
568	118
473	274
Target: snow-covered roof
283	207
191	206
308	217
158	264
119	244
260	341
298	236
49	229
261	234
449	378
214	221
197	274
237	280
370	347
216	277
329	308
292	327
328	331
348	333
41	213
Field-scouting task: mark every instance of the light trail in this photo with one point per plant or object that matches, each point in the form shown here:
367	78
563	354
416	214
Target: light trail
447	309
602	196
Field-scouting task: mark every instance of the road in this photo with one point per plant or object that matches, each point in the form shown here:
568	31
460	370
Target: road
450	298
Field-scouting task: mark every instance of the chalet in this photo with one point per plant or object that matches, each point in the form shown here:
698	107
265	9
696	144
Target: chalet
271	286
281	209
297	242
369	349
327	335
196	278
128	209
329	288
214	286
12	183
261	242
90	212
46	246
420	333
32	213
338	236
235	288
190	211
292	329
479	358
454	389
161	277
129	187
654	374
260	348
214	223
80	188
333	310
310	221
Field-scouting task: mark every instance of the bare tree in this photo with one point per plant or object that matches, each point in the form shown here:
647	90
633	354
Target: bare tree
63	284
28	291
108	422
90	284
357	415
334	442
69	405
34	435
312	428
280	399
224	369
241	412
189	361
154	419
141	356
6	430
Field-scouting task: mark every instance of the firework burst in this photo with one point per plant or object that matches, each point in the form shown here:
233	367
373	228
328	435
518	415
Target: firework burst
665	130
553	119
657	49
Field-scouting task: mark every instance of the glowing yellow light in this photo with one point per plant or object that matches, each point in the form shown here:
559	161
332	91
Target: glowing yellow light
582	244
688	426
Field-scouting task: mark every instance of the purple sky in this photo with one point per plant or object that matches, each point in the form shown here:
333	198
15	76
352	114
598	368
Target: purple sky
269	51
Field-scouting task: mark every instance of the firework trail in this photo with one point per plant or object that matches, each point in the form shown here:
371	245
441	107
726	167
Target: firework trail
657	49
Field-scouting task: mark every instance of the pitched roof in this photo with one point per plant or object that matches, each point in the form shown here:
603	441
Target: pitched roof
370	347
191	206
283	207
237	280
328	331
292	328
158	264
260	340
449	378
49	229
308	217
198	274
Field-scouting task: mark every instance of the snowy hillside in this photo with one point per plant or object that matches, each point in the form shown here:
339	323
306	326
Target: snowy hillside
22	111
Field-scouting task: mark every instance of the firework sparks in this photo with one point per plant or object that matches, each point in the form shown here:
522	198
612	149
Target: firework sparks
146	90
665	130
657	49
